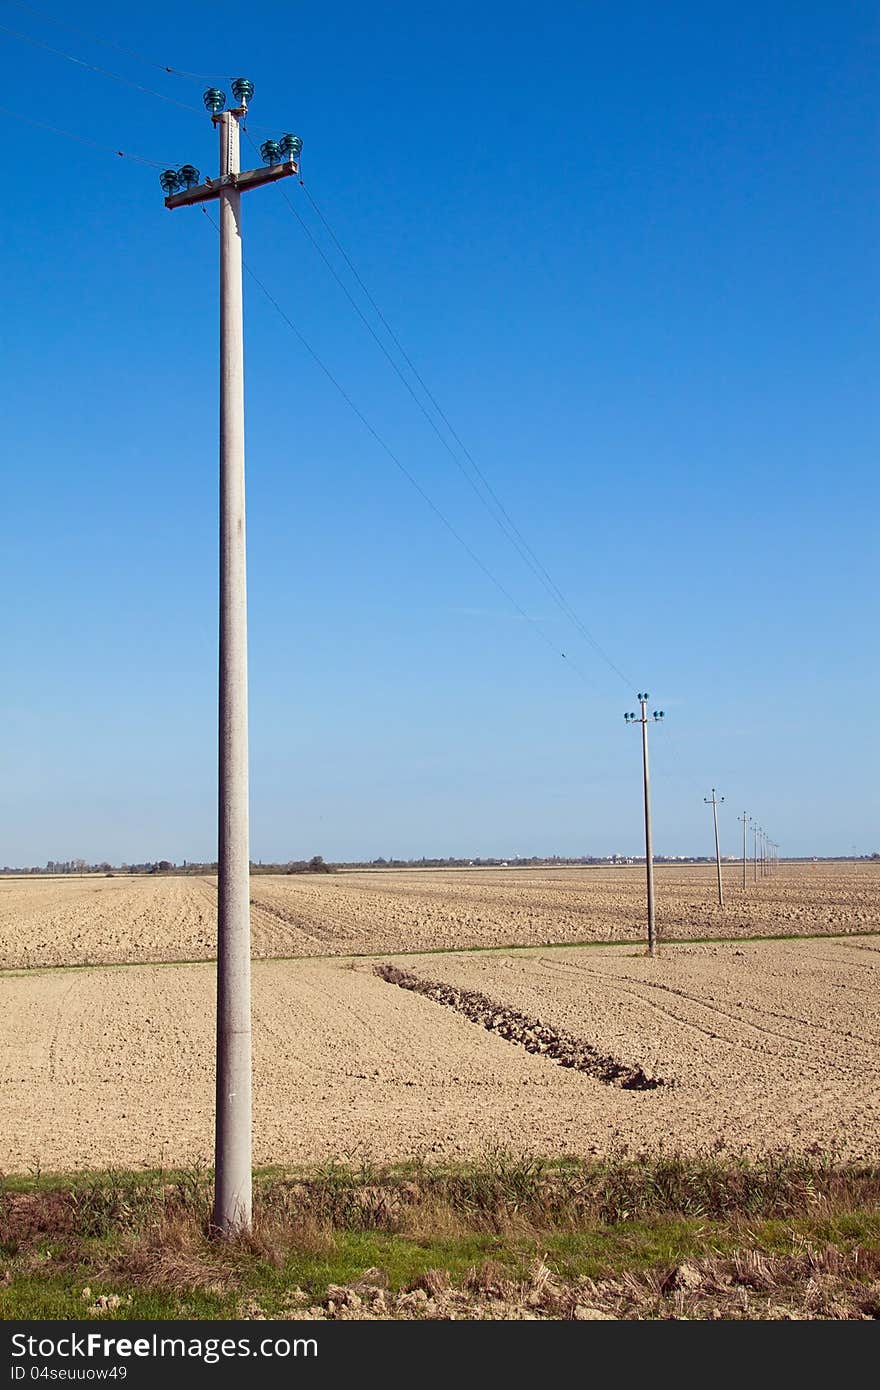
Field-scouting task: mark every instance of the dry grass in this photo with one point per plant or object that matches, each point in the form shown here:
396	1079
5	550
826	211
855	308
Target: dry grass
636	1236
500	1194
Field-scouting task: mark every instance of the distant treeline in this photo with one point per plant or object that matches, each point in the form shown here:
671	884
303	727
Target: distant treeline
315	865
599	861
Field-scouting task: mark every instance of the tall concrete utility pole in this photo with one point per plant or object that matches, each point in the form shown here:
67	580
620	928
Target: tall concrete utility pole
757	833
233	1182
745	820
642	718
715	803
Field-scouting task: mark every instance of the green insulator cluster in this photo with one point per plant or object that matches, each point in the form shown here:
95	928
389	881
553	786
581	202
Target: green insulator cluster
270	152
170	181
242	90
214	100
188	175
291	146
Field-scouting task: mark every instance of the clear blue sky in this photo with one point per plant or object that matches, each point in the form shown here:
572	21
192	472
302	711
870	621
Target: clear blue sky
632	249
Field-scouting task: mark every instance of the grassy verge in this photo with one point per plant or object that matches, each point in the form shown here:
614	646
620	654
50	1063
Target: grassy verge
633	1236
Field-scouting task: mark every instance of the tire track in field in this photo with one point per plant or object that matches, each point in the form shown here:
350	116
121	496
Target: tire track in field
272	917
800	1043
61	1024
847	987
614	987
847	964
333	934
751	1006
694	999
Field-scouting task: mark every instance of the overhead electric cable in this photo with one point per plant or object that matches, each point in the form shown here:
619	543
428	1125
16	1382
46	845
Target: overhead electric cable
410	477
116	76
500	516
92	67
80	139
672	752
556	591
111	43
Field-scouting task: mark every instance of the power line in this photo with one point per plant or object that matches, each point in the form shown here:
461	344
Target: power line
515	533
80	139
115	76
506	525
673	750
111	43
92	67
410	477
499	515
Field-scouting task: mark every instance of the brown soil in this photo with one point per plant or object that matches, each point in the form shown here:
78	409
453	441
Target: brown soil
768	1045
95	920
820	1284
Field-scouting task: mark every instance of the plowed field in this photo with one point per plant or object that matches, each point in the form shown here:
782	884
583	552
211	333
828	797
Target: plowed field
774	1044
532	1044
67	921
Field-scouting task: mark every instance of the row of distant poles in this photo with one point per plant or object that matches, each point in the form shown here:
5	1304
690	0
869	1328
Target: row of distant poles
765	856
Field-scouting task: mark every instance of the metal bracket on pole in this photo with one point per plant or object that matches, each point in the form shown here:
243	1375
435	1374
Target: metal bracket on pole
249	178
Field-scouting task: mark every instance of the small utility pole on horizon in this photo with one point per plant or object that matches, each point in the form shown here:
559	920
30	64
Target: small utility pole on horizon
714	802
233	1175
643	719
745	819
756	834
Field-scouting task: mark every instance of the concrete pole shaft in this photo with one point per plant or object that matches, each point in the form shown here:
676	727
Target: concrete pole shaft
745	847
233	1179
649	848
717	850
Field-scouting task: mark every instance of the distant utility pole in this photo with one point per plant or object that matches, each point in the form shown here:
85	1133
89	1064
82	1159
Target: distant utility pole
715	803
745	819
643	719
757	833
233	1183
